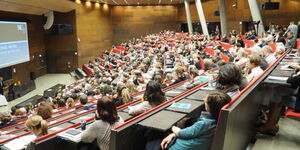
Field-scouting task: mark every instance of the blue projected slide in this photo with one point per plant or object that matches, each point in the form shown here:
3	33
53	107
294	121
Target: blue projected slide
14	47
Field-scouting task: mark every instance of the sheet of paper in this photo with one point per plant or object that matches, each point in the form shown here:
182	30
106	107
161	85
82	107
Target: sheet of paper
278	78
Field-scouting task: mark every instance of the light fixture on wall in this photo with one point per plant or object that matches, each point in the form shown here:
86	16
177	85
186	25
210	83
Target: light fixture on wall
78	1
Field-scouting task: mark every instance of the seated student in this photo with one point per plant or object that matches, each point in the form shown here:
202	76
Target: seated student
229	79
20	113
194	73
106	119
168	78
83	103
198	136
6	119
61	103
179	73
153	96
37	125
44	110
131	87
70	102
268	54
253	65
241	58
122	96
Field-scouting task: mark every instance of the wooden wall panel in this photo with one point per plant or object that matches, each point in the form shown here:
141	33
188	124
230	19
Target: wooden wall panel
94	30
135	21
289	10
36	46
61	49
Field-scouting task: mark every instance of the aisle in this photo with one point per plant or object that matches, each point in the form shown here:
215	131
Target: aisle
44	82
288	137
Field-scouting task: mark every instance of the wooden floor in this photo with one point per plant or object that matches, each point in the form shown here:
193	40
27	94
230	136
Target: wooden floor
288	137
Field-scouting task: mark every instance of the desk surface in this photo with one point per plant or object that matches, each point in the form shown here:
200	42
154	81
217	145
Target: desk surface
198	95
282	73
125	116
174	92
277	82
194	105
162	120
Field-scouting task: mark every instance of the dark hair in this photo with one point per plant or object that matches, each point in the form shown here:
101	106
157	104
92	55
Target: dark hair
83	99
61	102
74	96
229	74
106	110
154	94
216	101
44	110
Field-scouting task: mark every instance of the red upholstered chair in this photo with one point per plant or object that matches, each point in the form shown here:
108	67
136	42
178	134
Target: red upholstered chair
210	51
225	57
226	46
273	46
298	44
116	51
248	51
201	61
293	115
249	43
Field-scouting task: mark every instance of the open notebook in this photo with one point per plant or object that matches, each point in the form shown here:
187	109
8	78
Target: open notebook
71	134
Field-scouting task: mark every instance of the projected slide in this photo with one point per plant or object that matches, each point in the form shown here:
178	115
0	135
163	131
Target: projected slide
14	47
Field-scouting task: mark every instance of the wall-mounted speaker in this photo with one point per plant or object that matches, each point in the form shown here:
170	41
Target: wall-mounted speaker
217	13
269	6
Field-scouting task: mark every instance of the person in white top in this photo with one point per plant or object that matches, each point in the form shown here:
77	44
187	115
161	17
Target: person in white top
241	58
106	119
269	56
253	65
153	96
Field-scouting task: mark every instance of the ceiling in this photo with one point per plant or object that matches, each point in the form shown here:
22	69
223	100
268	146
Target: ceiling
140	2
37	7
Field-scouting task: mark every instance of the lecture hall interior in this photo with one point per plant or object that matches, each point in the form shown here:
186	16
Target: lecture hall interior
149	74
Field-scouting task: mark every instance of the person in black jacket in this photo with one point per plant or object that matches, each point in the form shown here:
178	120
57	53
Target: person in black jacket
1	85
295	82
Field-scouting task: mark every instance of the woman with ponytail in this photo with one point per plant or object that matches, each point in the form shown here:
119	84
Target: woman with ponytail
122	96
153	96
37	125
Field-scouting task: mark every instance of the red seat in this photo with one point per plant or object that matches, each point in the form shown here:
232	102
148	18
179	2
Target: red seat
210	51
248	51
298	44
293	115
273	46
226	46
202	64
225	57
116	51
87	70
249	43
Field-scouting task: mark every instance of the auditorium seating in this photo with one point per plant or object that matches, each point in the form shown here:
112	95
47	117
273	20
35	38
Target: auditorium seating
293	115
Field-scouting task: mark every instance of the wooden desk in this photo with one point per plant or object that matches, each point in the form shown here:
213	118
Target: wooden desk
162	120
174	92
125	116
194	105
198	95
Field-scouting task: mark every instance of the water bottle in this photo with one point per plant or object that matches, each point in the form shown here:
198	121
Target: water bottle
83	124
